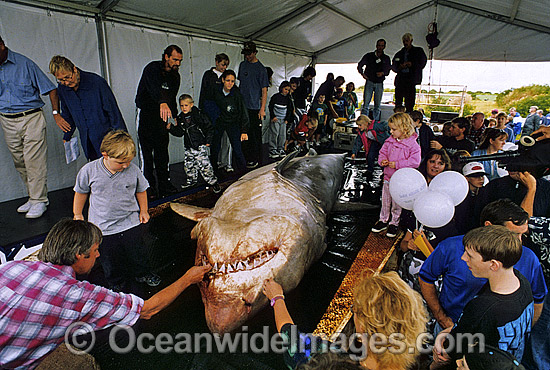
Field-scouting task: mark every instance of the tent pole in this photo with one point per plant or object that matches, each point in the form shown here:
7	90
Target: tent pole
102	48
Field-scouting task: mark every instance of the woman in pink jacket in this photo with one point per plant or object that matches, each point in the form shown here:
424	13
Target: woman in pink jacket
400	150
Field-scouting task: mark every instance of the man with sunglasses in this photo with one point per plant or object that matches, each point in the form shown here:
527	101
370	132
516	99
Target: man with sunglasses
24	124
87	103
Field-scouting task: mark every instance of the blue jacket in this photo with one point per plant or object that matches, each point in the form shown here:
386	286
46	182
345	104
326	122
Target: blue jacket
92	108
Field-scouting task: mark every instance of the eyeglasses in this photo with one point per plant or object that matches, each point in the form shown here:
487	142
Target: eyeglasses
65	79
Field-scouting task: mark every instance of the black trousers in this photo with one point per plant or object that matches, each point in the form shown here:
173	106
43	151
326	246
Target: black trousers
234	135
252	148
405	89
154	139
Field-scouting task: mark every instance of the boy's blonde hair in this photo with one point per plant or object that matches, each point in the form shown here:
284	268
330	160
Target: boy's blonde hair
314	121
119	145
60	63
403	122
363	119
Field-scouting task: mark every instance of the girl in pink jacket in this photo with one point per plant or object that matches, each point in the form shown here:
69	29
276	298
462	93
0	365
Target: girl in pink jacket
400	150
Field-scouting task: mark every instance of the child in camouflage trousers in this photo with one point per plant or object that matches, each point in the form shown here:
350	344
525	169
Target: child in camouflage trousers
197	132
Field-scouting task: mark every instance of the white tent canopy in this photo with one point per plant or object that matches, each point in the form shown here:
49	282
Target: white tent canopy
117	38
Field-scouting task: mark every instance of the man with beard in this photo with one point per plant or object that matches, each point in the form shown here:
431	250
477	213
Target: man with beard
156	99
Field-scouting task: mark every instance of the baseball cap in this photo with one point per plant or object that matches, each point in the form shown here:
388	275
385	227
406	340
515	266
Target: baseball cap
494	111
473	168
249	47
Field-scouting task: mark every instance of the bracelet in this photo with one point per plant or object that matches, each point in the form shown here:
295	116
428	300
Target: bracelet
276	298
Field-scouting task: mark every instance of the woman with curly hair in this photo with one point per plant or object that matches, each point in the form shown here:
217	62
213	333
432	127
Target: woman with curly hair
384	308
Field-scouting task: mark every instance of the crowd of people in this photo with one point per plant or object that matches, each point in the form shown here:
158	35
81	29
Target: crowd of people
487	272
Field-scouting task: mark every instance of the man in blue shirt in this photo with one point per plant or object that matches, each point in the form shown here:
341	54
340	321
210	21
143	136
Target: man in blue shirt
24	124
459	285
253	85
87	103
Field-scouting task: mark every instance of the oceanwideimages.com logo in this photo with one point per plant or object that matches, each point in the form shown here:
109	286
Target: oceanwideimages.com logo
80	338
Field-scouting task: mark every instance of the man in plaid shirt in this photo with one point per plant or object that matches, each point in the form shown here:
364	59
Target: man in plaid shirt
40	300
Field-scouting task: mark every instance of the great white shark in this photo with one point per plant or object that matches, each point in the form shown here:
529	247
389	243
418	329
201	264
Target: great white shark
271	223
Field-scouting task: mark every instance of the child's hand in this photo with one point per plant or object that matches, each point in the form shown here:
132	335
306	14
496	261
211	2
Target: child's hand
168	126
144	216
274	119
412	246
353	156
78	217
435	145
384	163
244	137
391	164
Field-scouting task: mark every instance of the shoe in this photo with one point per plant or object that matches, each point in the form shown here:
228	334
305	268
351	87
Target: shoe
379	226
229	169
25	207
273	156
119	288
36	210
187	185
392	231
150	279
216	188
282	154
251	164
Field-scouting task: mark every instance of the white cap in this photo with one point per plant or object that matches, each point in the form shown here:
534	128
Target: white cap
473	168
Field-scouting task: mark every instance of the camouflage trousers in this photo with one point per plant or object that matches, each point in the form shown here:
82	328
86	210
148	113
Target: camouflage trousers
197	161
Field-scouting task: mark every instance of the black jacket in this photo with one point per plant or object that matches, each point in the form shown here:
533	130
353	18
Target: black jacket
157	86
198	131
232	109
418	59
210	81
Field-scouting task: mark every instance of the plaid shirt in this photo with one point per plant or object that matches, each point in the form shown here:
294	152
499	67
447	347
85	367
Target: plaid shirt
38	302
476	135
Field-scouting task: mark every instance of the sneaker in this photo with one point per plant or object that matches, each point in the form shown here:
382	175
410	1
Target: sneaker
25	207
251	164
216	188
282	154
119	288
187	185
150	279
379	226
273	156
392	231
229	169
36	210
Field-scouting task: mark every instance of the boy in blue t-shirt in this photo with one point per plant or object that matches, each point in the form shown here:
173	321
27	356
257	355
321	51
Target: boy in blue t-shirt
118	206
322	112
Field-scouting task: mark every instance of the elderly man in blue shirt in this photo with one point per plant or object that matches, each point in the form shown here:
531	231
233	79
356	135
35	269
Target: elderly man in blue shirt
24	124
87	103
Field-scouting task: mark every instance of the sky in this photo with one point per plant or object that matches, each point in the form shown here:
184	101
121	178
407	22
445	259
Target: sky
477	76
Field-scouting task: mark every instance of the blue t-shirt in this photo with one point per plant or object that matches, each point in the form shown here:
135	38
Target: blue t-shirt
460	286
252	77
22	83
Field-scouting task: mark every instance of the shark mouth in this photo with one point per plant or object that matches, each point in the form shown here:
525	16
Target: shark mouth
247	264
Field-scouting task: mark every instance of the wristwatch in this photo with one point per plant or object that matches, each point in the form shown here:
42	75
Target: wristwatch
54	112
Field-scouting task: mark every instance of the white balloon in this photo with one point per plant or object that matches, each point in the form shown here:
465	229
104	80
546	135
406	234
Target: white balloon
452	183
434	208
405	185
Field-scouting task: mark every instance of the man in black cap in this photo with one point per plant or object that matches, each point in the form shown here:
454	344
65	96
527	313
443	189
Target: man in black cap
253	85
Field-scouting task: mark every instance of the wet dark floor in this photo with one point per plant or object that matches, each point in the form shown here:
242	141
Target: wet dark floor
172	252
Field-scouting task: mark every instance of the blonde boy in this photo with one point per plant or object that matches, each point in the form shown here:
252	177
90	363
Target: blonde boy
118	206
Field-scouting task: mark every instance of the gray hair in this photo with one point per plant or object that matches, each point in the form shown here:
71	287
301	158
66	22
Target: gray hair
66	239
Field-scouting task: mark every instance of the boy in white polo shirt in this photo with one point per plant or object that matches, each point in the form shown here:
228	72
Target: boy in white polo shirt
118	206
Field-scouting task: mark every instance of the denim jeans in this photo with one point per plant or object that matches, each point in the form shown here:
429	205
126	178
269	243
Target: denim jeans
370	88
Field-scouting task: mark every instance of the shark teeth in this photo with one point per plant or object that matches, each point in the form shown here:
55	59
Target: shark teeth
249	263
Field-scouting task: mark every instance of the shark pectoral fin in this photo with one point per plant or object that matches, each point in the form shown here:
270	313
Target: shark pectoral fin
191	212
